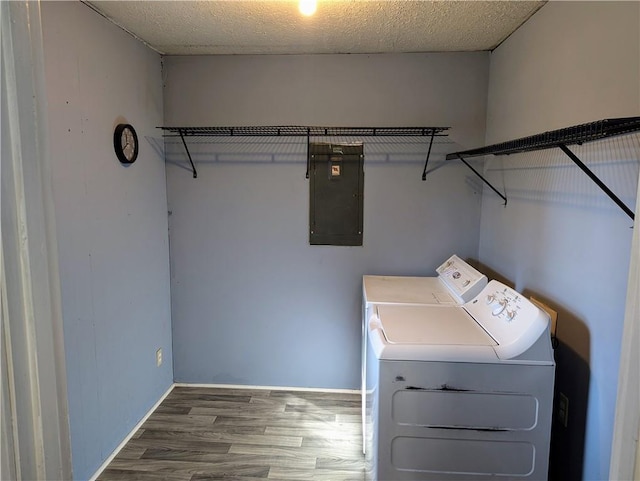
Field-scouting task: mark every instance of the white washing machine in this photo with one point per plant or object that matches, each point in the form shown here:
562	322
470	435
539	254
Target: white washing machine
459	392
457	282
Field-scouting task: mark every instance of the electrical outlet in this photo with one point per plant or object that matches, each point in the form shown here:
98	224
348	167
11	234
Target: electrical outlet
563	409
159	357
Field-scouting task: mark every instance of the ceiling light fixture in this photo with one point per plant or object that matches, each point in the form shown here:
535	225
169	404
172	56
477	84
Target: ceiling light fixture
307	7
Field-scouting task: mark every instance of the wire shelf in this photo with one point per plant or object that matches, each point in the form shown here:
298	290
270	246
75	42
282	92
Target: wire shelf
561	138
302	131
577	134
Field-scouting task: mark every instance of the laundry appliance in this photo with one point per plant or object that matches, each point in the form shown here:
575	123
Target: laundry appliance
456	282
459	392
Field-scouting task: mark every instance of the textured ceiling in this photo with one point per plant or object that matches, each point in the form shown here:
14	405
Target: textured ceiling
339	26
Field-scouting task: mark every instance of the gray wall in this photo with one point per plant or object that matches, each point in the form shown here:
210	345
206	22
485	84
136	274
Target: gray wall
560	237
252	302
111	224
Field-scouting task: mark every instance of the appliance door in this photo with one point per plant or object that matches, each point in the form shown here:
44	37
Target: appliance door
431	325
406	290
457	421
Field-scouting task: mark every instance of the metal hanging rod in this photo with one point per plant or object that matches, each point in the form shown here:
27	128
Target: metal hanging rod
302	131
561	138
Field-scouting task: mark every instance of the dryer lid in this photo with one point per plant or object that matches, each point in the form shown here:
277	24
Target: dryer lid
431	325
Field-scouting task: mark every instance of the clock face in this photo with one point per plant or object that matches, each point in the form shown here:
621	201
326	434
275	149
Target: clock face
128	144
125	143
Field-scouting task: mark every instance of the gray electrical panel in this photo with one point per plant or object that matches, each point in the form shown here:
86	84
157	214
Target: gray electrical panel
336	194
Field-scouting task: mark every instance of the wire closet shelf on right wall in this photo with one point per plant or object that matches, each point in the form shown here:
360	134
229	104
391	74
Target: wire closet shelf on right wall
560	139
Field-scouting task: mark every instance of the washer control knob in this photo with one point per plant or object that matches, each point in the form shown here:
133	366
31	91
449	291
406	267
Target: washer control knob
466	283
446	268
490	299
500	306
511	315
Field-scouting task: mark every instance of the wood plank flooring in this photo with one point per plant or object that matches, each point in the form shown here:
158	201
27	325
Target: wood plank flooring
200	434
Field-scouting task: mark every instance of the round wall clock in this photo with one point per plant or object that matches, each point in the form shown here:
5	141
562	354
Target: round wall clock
125	143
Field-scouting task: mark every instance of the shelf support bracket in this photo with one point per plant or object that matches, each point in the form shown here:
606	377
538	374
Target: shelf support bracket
195	173
426	162
483	179
598	182
308	156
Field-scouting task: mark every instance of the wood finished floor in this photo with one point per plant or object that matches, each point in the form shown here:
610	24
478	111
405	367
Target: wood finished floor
200	434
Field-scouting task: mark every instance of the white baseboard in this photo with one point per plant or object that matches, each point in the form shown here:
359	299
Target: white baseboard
270	388
130	435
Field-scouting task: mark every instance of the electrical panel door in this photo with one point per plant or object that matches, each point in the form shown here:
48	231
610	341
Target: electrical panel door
336	194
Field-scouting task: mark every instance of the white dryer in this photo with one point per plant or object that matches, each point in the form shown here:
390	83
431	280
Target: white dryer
457	282
459	392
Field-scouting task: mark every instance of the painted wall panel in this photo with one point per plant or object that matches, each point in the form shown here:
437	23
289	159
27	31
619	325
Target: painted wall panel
559	236
111	227
252	301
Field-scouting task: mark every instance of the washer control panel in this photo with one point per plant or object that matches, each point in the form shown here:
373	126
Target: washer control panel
513	321
463	281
